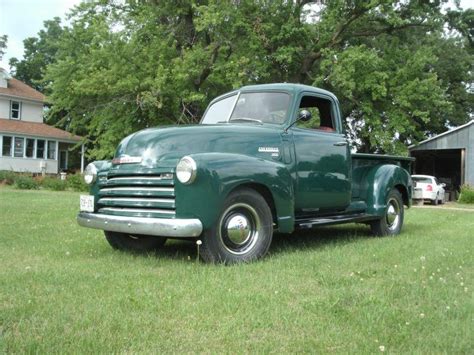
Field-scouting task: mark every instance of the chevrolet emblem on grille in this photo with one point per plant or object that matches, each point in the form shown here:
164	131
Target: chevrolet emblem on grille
127	160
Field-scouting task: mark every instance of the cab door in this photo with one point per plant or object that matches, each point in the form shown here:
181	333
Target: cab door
322	156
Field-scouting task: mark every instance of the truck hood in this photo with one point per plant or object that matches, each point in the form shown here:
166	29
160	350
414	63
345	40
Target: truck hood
163	146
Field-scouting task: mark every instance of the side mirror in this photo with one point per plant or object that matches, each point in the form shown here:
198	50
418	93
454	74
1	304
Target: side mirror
304	116
443	184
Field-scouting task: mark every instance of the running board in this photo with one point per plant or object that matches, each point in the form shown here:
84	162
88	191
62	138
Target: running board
310	223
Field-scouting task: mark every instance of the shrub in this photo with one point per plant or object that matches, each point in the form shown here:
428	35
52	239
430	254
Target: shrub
26	183
7	177
53	184
76	183
467	194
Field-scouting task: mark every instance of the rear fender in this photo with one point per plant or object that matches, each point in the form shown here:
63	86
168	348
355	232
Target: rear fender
220	173
380	180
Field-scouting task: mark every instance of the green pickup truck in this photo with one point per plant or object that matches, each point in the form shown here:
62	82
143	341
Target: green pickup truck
264	159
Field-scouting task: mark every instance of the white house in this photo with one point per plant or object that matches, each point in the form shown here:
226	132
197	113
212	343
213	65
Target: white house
26	143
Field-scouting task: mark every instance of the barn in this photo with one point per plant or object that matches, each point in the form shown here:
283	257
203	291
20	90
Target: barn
449	156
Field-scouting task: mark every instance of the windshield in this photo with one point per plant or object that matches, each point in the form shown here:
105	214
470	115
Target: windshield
422	180
257	107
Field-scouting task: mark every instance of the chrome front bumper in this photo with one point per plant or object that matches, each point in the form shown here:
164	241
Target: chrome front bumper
162	227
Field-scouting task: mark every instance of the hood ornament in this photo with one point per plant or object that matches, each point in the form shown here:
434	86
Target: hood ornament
125	159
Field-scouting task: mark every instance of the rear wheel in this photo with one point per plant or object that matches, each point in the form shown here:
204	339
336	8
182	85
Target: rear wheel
243	231
435	201
391	223
134	242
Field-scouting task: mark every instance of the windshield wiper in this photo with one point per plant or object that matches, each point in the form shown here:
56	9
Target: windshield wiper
245	119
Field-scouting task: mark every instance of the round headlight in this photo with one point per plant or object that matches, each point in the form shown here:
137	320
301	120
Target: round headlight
90	174
186	170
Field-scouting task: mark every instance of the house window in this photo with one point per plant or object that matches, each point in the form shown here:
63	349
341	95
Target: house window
15	110
30	147
7	146
40	143
51	150
18	147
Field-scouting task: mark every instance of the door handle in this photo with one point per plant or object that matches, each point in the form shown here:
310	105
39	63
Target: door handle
340	144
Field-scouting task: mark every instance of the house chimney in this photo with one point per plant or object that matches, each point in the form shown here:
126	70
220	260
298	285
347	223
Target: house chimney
4	77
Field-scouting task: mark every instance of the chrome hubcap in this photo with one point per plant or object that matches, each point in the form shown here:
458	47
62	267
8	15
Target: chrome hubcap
239	228
393	214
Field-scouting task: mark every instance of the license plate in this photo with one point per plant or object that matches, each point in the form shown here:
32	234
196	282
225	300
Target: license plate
87	203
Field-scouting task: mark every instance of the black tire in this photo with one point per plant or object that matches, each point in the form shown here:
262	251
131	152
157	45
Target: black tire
134	242
243	231
391	223
435	201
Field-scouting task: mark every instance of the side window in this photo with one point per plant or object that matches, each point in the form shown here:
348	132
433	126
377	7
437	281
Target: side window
321	114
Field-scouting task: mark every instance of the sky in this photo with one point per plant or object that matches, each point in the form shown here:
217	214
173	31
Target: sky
20	19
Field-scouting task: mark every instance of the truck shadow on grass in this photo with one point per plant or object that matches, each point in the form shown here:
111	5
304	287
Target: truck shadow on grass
300	240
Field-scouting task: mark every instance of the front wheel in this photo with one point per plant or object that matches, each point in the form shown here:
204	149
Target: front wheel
391	223
134	242
243	232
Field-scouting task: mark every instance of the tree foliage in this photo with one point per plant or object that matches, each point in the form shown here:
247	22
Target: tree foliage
3	45
39	53
120	67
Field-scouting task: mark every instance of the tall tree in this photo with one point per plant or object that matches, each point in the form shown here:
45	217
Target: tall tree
39	53
3	45
120	67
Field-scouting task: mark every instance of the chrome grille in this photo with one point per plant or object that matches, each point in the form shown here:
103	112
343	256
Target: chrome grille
138	195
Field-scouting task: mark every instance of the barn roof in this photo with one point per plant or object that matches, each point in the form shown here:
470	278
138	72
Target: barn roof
451	131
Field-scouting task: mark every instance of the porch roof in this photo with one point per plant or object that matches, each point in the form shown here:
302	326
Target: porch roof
36	129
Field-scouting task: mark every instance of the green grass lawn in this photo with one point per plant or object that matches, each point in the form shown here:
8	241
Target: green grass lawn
64	290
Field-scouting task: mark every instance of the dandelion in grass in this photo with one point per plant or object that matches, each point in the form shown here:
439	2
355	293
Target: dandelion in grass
422	258
422	315
407	323
382	348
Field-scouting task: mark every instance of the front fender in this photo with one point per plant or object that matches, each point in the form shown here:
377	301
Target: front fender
219	173
380	180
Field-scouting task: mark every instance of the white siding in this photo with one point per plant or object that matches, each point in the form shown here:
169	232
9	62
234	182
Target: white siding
28	165
4	107
31	111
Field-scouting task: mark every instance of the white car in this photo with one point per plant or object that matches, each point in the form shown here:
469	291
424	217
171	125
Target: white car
431	189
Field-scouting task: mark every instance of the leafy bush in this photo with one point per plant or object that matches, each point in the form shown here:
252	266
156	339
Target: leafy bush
76	183
53	184
7	177
26	183
467	194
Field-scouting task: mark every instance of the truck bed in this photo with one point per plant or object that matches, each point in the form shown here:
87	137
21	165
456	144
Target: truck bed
362	164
